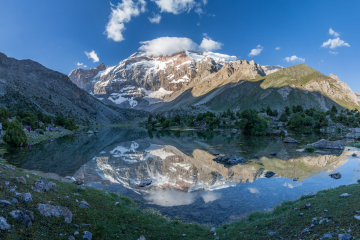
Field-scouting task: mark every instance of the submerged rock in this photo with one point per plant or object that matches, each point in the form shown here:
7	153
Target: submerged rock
42	185
55	211
335	175
269	174
229	159
145	183
290	140
325	144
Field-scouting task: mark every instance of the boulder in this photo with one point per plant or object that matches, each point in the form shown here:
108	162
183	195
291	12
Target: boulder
322	144
145	183
290	140
21	180
269	174
27	197
42	185
229	159
48	210
335	175
21	217
3	224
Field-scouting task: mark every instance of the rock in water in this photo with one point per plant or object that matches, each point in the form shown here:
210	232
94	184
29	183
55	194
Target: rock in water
55	211
269	174
290	140
322	144
335	175
87	235
354	155
42	185
145	183
3	224
21	217
229	159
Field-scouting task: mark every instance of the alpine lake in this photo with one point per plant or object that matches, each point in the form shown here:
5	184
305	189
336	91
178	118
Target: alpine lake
187	184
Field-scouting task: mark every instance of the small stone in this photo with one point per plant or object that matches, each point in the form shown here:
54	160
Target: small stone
116	203
344	236
295	179
271	233
27	197
21	217
325	210
344	195
21	180
80	188
7	183
27	175
184	235
312	225
269	174
15	200
335	175
357	217
304	231
83	206
327	236
30	214
3	224
76	233
354	155
87	235
301	214
212	230
72	238
308	205
314	219
84	202
5	202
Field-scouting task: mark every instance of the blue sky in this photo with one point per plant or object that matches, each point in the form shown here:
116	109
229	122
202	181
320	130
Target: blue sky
58	33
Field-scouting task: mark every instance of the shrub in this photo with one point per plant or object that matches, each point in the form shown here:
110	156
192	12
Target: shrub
15	134
310	149
283	117
252	123
42	132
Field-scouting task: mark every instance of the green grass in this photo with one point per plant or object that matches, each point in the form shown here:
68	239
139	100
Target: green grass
353	144
126	221
310	149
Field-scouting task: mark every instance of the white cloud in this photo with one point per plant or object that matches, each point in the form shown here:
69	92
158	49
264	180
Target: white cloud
175	6
277	48
121	14
334	43
205	2
198	24
155	19
332	32
79	64
167	46
294	58
208	44
199	11
92	55
256	51
85	66
333	53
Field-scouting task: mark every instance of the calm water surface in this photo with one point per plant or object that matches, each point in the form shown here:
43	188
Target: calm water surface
186	182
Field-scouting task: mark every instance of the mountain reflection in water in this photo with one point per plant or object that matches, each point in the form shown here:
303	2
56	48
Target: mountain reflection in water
186	182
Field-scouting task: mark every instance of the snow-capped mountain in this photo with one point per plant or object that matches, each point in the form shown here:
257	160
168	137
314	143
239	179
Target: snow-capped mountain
140	80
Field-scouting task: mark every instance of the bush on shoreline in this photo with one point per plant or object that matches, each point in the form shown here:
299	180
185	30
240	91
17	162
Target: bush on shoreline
15	135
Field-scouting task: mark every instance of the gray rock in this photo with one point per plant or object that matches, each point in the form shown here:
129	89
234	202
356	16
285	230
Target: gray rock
72	238
80	188
290	140
301	214
271	233
354	155
30	214
90	132
7	183
273	154
27	197
21	217
87	235
42	185
325	144
5	202
344	195
15	200
311	194
308	205
327	236
3	224
55	211
295	179
84	202
83	206
345	236
335	175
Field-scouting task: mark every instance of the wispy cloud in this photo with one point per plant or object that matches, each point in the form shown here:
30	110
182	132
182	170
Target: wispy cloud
175	6
277	48
79	64
294	58
332	32
333	53
256	51
167	46
93	55
155	19
122	13
334	43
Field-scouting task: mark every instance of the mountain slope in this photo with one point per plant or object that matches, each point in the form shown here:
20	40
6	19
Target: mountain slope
216	82
28	84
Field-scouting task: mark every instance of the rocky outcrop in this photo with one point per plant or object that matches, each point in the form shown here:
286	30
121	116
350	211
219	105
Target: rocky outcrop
325	144
290	140
271	69
83	77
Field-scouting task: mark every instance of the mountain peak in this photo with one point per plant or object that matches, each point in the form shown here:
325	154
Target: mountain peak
335	77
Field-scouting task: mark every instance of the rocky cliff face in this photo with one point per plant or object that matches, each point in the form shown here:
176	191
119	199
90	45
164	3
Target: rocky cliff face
83	78
28	84
214	81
